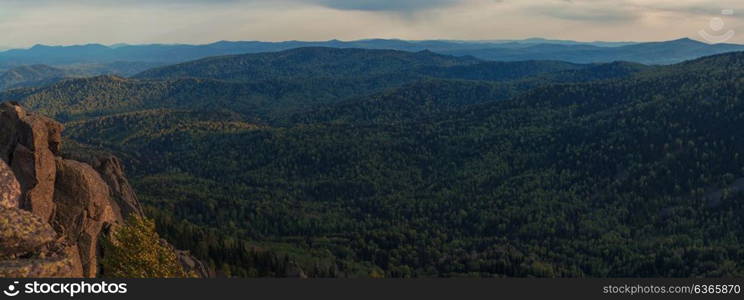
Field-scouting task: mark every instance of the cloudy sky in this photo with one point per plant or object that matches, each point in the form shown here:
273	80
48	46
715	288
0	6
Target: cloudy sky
24	23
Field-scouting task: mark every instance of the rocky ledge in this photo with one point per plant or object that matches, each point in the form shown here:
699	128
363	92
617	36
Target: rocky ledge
54	209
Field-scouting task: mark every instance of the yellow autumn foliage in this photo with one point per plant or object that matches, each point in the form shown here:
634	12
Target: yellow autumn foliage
136	251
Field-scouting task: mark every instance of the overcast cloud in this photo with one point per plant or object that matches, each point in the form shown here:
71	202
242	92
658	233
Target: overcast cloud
28	22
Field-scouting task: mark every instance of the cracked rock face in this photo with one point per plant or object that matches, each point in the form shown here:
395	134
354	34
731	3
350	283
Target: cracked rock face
29	143
83	207
120	190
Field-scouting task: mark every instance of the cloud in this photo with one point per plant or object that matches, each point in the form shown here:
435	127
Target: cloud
362	5
691	7
592	11
387	5
28	22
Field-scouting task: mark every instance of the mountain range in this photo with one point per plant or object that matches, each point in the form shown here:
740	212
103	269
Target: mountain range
531	49
347	162
41	64
261	85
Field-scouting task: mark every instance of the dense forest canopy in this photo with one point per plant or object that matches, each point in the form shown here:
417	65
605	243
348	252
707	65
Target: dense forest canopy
351	162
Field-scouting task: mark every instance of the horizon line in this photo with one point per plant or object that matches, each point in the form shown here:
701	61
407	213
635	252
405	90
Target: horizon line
489	41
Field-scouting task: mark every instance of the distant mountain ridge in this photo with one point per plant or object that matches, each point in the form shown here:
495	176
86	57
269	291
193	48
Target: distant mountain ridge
666	52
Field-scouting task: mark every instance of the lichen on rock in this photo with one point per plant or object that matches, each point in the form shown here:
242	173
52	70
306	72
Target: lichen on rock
10	189
37	268
22	232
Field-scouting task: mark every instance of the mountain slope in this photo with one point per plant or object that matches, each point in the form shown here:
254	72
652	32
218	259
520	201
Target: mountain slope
356	63
90	97
41	75
305	63
499	71
558	180
267	86
33	75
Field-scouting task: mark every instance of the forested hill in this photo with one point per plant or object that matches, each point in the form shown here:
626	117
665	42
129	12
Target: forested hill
611	170
307	63
42	75
344	63
267	86
30	76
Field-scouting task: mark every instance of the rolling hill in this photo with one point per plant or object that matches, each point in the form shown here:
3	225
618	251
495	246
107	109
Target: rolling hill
42	75
306	63
488	171
33	75
265	86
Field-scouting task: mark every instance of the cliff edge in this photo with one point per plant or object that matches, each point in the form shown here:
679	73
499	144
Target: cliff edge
54	209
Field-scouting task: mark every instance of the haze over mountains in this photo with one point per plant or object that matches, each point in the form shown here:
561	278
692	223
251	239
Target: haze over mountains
147	56
381	162
47	64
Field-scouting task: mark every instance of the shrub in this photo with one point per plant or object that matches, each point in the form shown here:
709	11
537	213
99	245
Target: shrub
136	251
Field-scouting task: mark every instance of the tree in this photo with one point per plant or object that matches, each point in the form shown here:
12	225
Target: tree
136	251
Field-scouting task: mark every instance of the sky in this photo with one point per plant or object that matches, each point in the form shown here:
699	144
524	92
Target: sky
24	23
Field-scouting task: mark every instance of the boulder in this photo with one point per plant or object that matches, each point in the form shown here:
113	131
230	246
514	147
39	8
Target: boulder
28	143
9	122
295	271
55	267
22	232
121	192
36	173
10	189
192	265
83	207
76	266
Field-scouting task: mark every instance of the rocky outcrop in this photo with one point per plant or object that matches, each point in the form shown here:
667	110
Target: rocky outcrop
22	232
29	143
56	267
28	245
192	265
121	192
53	209
83	207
